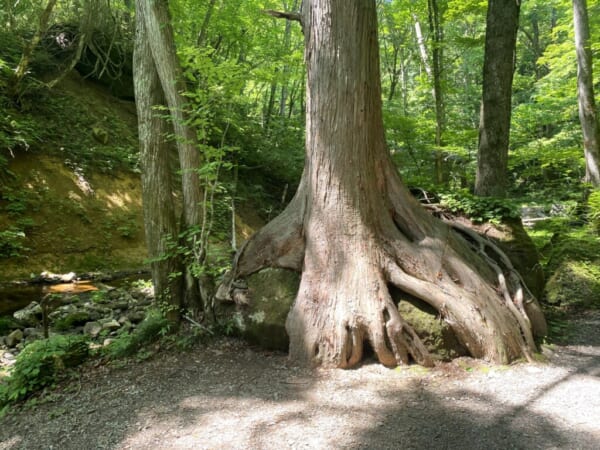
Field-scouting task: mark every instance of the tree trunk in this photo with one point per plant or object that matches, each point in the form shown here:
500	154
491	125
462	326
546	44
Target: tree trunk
354	230
498	69
437	32
585	94
160	222
23	65
157	23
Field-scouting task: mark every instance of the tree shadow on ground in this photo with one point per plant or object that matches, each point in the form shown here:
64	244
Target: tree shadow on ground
239	398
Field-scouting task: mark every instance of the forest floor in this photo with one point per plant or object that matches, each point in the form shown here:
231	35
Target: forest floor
229	396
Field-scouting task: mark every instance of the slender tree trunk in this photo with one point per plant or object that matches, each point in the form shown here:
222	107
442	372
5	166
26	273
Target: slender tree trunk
421	43
353	229
435	27
23	65
498	70
204	28
588	114
287	36
159	205
157	23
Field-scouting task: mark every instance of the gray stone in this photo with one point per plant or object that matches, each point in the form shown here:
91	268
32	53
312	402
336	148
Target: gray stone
32	332
111	325
14	338
31	315
271	293
62	311
136	316
92	329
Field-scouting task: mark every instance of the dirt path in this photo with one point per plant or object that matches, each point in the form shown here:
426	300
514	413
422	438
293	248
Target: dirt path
228	396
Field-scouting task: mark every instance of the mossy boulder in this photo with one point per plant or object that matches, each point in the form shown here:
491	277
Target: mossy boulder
575	284
436	334
271	293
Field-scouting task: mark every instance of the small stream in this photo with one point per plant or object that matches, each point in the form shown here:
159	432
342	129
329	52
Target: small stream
15	296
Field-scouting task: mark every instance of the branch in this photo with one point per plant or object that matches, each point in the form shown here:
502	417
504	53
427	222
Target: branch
284	15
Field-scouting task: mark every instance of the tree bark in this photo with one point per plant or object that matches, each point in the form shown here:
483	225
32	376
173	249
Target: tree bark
157	23
354	230
498	69
160	221
588	115
437	52
23	65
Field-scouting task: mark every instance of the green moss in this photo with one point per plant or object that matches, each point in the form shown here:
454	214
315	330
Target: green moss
575	284
72	320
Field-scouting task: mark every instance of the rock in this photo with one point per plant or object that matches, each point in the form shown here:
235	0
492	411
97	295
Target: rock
111	325
136	316
32	332
92	329
7	358
13	338
436	334
107	342
96	312
62	312
120	304
74	318
272	293
31	315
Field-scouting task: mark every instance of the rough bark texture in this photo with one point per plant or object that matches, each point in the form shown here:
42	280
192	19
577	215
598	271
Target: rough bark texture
159	207
585	93
157	23
354	230
498	68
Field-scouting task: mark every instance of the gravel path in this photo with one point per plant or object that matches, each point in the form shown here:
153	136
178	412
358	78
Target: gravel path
228	396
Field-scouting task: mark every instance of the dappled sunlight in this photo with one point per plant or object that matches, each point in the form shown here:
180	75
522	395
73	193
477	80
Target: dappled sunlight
119	200
373	405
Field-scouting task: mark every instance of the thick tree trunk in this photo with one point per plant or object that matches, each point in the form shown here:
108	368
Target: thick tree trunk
588	114
160	222
354	230
498	69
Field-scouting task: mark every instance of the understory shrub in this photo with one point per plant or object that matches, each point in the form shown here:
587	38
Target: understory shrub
42	363
149	330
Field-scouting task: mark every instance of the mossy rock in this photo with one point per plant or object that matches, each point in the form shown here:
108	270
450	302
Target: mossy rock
272	293
575	284
7	324
436	334
72	320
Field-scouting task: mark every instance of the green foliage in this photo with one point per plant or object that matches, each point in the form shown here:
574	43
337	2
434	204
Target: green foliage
7	324
12	243
480	209
71	320
41	364
593	214
149	330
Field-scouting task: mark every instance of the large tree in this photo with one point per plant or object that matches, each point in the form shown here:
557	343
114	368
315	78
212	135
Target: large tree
354	231
498	68
588	115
